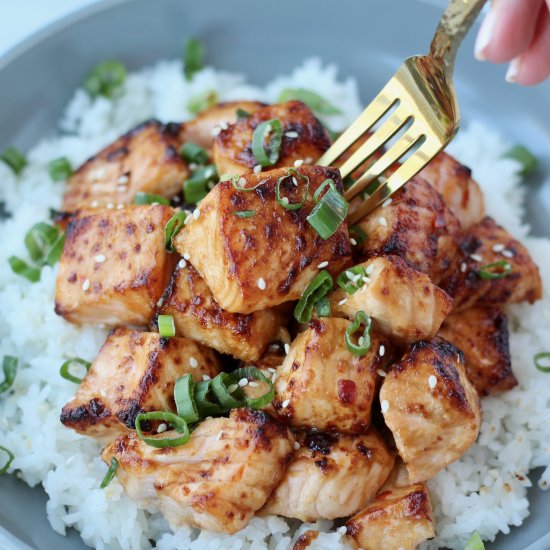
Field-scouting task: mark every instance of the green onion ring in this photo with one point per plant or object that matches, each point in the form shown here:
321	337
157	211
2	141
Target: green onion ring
110	473
359	349
204	405
315	290
357	233
9	366
541	357
226	398
184	396
284	203
65	372
20	267
256	374
484	273
7	465
150	198
474	542
322	307
167	328
180	425
271	156
329	213
347	284
191	152
172	228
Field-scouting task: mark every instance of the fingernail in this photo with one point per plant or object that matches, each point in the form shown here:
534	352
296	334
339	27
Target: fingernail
513	70
484	35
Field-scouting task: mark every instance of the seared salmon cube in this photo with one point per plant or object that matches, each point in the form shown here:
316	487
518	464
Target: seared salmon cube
134	372
304	138
145	159
270	256
198	316
431	408
114	267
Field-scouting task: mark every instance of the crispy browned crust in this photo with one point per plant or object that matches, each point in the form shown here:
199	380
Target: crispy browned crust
233	147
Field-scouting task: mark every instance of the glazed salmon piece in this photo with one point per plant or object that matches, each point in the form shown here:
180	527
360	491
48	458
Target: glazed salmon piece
402	302
459	190
416	225
114	267
206	125
331	477
134	372
218	480
483	244
322	385
481	333
198	316
304	138
145	159
431	408
269	258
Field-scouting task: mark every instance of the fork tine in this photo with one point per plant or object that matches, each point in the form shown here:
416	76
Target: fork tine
427	150
366	120
397	121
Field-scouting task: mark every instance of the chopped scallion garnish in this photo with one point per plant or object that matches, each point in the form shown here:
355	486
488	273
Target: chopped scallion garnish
196	187
205	405
150	198
313	100
322	307
39	239
351	280
193	58
54	254
110	473
496	270
20	267
363	344
7	464
542	361
474	542
525	158
9	366
184	396
273	131
242	114
202	101
179	424
172	228
14	159
106	79
236	180
294	177
167	328
357	233
64	371
191	152
245	213
317	289
329	212
60	169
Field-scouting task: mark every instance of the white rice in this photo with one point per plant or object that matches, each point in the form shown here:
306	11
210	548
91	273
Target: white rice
485	491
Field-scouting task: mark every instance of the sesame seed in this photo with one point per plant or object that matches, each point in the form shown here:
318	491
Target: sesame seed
294	181
243	382
463	267
274	377
382	350
366	280
350	275
308	160
387	202
296	445
110	205
342	530
182	263
193	166
261	283
186	257
100	173
100	258
342	302
193	363
357	278
499	247
219	436
94	204
286	403
162	428
507	253
322	264
123	180
353	241
476	257
232	388
285	200
382	221
196	213
205	377
155	203
257	168
385	405
268	129
103	392
369	270
274	347
224	125
120	206
287	348
121	189
291	134
381	373
216	131
86	285
361	341
432	381
298	163
253	384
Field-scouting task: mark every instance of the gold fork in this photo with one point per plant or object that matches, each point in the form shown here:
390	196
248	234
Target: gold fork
421	115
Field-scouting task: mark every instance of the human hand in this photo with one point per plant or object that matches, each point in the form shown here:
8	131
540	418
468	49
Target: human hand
517	31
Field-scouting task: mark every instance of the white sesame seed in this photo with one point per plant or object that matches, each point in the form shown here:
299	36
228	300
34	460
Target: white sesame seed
350	275
432	381
356	278
385	405
268	129
382	221
274	347
103	392
219	436
291	134
120	206
298	163
287	348
224	125
294	181
342	302
342	530
209	418
257	168
285	200
296	445
353	241
369	270
182	263
123	180
308	160
121	189
322	264
507	253
499	247
253	384
100	258
361	340
86	285
186	257
463	267
286	403
216	131
476	257
94	204
387	202
382	350
193	166
196	213
381	373
271	369
274	377
162	428
205	377
110	205
100	173
243	382
261	283
232	388
193	363
366	280
155	203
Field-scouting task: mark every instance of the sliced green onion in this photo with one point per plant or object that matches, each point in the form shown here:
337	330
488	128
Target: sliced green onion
167	328
256	374
106	79
202	101
283	201
20	267
191	152
270	155
329	212
64	371
474	542
184	396
193	58
314	101
60	169
7	465
242	114
351	280
525	158
357	234
317	289
172	228
110	473
150	198
487	271
322	307
363	345
39	240
235	182
196	187
245	213
540	359
180	425
54	254
14	159
9	366
204	405
228	400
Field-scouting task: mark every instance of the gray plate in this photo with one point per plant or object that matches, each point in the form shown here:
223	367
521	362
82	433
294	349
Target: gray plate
366	39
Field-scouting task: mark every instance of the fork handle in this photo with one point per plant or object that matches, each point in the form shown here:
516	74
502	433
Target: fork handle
455	23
